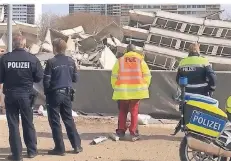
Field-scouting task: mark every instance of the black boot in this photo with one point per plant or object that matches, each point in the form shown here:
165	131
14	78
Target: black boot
78	149
12	158
32	155
56	152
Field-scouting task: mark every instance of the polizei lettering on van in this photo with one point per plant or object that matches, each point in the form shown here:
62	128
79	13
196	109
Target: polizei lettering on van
207	121
18	65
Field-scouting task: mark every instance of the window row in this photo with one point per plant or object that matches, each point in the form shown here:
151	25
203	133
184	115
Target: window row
191	28
205	49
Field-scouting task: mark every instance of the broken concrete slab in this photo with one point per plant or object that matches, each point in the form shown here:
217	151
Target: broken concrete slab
47	43
98	140
70	32
107	58
34	49
70	44
111	29
87	44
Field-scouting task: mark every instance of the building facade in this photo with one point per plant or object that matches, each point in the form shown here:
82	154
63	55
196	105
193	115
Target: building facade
122	10
165	37
23	13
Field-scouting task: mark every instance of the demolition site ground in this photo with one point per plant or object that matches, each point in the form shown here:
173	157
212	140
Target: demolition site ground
156	143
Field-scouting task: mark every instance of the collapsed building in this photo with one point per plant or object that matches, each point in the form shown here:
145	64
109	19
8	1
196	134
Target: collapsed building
164	38
89	51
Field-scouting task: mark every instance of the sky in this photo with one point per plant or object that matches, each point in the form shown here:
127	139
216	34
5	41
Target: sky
63	9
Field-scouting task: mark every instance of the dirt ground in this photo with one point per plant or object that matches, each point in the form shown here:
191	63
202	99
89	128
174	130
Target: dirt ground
156	143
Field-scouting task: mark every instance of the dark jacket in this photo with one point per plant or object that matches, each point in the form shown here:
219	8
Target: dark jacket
60	72
201	77
18	70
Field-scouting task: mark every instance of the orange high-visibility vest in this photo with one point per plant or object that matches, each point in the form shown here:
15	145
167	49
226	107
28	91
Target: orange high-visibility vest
130	71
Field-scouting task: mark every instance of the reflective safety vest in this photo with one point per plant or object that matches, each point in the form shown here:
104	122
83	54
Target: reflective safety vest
130	71
132	78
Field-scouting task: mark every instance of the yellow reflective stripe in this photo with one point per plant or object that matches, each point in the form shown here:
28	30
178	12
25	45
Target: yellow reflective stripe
123	69
131	89
131	85
129	77
194	60
208	107
202	130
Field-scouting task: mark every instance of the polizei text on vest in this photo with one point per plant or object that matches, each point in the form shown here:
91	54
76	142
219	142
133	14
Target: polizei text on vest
18	65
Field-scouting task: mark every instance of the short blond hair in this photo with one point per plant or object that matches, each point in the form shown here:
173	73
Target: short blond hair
195	47
60	45
19	41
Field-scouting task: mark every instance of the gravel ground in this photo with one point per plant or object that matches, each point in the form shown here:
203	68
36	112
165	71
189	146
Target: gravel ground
156	143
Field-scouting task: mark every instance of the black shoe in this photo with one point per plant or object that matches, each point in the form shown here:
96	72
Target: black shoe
30	155
120	133
56	152
78	150
11	157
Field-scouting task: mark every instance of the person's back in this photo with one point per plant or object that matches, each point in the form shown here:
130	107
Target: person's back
130	80
201	77
20	69
62	69
60	72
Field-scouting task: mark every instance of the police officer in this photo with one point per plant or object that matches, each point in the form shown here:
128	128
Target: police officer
59	74
201	77
18	70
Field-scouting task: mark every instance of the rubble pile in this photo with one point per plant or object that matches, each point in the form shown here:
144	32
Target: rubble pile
89	51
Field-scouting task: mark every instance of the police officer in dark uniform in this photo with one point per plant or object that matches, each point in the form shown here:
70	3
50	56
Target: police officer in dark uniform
18	70
201	77
60	72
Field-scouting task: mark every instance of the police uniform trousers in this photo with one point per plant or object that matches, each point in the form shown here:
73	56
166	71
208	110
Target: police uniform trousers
20	103
126	106
60	104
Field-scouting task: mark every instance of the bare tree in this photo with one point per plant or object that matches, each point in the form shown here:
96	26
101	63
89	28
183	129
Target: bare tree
91	22
47	20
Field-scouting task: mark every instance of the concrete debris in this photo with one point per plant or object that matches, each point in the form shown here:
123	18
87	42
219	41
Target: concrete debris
70	32
107	58
142	119
98	140
30	32
114	137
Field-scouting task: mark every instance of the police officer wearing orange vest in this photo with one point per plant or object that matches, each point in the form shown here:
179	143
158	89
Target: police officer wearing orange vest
130	80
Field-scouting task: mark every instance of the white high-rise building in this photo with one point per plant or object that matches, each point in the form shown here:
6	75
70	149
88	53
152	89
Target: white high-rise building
22	12
122	10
